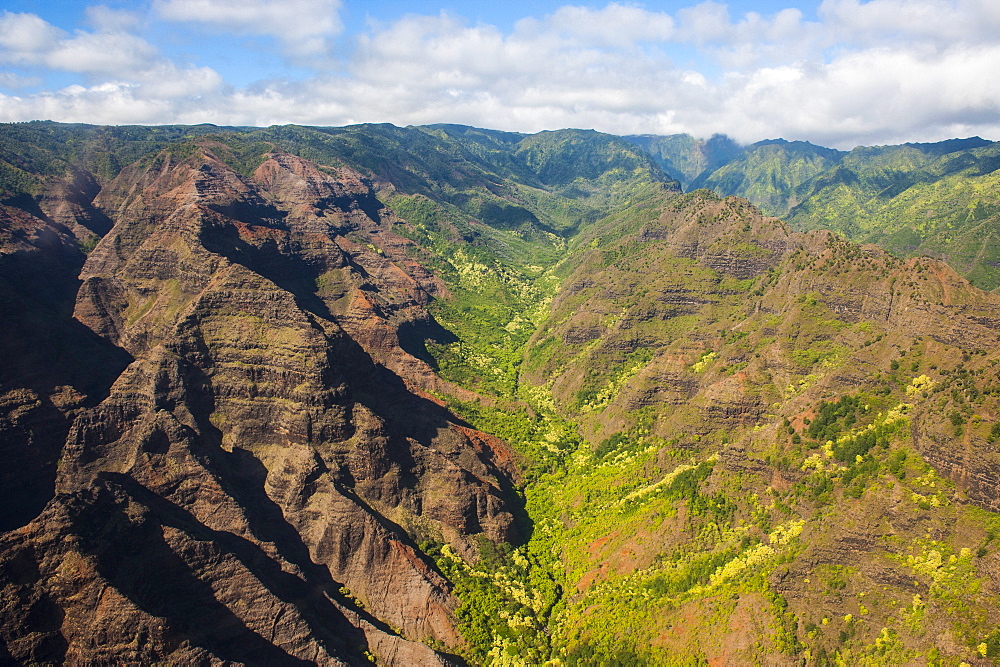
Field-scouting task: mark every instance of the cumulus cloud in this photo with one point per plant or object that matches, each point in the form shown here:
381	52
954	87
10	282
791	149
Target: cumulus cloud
907	78
753	40
878	95
941	22
106	19
127	80
25	39
613	25
12	81
103	53
880	71
25	35
164	94
303	26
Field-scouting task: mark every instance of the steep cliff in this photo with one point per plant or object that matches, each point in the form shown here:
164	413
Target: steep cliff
252	486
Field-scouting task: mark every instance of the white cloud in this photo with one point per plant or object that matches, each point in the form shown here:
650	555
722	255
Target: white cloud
106	103
776	78
925	75
99	53
707	22
106	19
753	40
129	81
943	22
25	39
614	25
12	81
303	26
878	95
168	81
22	35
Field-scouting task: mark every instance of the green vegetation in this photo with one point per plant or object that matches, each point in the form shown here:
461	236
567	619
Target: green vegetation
938	199
685	158
31	153
640	534
917	199
645	525
769	173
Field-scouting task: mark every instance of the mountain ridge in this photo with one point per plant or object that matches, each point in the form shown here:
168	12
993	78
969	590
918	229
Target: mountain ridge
933	198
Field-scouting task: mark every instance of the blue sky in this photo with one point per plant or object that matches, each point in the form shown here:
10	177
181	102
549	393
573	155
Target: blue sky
836	72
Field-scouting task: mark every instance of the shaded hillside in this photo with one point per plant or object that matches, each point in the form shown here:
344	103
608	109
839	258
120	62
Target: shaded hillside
490	212
235	389
685	158
547	182
263	445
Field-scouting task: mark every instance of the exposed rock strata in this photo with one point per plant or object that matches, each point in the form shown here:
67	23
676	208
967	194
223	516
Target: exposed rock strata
820	317
252	485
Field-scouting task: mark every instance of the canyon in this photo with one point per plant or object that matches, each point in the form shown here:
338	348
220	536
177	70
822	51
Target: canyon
445	395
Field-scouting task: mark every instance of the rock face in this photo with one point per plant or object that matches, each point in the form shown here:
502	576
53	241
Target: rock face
250	487
52	365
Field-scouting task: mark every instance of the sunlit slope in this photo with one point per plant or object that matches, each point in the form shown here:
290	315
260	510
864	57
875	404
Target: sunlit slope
752	444
769	173
939	200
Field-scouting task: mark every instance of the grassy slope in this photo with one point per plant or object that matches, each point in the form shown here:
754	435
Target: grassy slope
699	497
937	199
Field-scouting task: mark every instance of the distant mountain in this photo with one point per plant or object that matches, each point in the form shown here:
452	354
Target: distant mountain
939	199
685	158
768	173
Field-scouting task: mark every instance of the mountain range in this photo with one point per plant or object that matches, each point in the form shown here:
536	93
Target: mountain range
935	199
448	395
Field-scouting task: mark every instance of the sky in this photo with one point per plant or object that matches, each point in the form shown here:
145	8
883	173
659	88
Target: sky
839	73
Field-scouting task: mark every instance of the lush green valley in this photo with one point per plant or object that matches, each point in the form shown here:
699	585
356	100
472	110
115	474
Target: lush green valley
740	441
717	421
